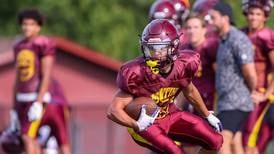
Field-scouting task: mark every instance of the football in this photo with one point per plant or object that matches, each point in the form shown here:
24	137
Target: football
133	109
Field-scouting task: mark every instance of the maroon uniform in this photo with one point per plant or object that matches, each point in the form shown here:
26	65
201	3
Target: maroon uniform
254	134
205	78
136	78
183	38
211	32
28	55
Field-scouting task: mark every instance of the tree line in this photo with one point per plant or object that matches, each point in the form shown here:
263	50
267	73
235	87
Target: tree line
108	26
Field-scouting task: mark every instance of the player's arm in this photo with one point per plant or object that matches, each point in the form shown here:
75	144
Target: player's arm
270	88
192	94
250	76
47	64
14	121
259	96
15	89
116	111
36	110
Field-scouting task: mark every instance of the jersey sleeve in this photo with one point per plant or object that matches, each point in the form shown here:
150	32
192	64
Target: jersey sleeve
191	62
192	66
269	42
211	51
127	80
47	46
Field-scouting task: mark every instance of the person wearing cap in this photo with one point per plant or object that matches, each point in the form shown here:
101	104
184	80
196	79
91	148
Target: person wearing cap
259	126
235	77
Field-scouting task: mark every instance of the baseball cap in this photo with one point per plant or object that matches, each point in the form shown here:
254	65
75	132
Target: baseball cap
225	10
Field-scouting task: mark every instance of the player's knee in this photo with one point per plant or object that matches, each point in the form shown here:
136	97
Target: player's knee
218	142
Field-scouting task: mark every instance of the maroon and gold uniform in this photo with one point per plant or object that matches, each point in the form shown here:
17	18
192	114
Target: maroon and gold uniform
257	131
183	38
136	78
205	78
28	55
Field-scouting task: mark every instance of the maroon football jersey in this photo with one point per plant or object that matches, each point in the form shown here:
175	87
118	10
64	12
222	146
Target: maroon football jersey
28	55
183	39
211	32
136	78
263	41
205	78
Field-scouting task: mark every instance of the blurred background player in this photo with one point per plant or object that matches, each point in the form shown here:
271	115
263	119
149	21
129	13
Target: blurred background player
161	74
257	131
235	78
38	98
164	9
204	80
202	7
174	11
182	8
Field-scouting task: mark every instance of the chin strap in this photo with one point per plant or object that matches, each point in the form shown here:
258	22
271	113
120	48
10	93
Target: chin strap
152	65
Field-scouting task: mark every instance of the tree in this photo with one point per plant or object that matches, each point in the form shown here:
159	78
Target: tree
108	26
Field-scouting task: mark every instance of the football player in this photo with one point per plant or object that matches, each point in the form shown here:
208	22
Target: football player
161	73
207	48
38	97
202	7
163	9
257	132
175	11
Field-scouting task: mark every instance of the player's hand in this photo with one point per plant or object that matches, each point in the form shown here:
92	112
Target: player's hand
258	97
35	111
215	122
145	120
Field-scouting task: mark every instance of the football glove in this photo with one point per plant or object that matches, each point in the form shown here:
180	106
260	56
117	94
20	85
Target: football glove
215	122
145	120
35	111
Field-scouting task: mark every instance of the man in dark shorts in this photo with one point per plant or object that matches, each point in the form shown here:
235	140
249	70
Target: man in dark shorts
235	77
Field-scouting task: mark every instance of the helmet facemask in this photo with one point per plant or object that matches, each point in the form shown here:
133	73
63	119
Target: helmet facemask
158	54
159	42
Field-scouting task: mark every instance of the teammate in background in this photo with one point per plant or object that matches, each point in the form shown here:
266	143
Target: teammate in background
235	78
207	48
175	11
202	7
257	131
164	9
161	74
38	98
182	9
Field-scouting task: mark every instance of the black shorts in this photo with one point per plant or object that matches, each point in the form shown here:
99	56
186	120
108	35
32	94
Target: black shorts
233	120
270	116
